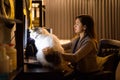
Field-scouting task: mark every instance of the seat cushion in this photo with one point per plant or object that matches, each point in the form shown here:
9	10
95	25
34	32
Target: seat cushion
102	61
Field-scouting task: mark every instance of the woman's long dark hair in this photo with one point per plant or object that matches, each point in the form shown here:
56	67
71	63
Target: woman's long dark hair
89	23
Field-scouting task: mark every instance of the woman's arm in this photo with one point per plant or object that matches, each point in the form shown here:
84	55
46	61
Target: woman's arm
85	49
67	46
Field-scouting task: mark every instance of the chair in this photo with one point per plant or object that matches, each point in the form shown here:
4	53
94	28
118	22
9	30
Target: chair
109	47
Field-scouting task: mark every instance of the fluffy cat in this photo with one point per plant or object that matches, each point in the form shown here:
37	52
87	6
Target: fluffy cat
53	58
44	39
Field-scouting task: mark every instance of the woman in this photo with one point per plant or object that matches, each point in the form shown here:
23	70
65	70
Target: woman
84	47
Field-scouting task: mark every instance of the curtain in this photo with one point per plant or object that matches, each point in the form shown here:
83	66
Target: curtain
60	16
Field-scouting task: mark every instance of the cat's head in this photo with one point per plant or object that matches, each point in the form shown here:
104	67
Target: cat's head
38	31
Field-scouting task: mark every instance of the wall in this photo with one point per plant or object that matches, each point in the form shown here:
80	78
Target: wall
60	15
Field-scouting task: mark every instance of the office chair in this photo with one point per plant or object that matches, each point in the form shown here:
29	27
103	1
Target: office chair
109	47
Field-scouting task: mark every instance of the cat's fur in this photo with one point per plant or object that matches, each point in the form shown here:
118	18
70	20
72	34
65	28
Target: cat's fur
54	59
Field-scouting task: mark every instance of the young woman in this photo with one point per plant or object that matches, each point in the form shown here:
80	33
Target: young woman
83	47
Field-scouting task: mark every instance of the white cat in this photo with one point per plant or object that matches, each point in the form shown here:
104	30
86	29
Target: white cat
45	39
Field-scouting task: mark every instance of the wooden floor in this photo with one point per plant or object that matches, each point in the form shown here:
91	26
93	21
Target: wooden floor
118	72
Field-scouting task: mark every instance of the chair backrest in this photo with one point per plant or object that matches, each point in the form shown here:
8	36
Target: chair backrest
109	47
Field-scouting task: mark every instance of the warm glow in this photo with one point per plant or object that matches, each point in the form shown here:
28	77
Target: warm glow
43	2
64	41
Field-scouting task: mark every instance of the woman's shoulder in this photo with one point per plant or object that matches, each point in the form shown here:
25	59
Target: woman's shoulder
92	41
88	39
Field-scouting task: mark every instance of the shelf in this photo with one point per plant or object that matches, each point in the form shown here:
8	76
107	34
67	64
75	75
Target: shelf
10	20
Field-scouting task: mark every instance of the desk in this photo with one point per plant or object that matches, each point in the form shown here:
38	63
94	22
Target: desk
64	41
38	73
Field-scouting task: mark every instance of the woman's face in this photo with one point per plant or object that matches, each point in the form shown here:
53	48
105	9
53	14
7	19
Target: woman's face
78	27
